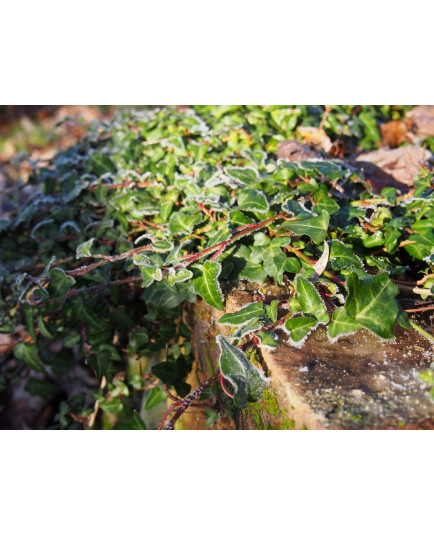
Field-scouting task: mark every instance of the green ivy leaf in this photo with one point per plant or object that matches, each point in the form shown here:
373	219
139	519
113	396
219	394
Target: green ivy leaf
162	246
268	338
316	227
28	352
341	256
112	406
372	302
183	222
150	274
271	311
252	200
59	285
208	287
156	396
135	423
83	249
247	380
274	265
253	272
300	327
374	240
42	388
243	315
310	301
179	276
341	324
246	175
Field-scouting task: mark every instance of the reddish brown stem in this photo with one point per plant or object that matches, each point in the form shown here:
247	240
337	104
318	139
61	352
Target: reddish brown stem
420	310
186	403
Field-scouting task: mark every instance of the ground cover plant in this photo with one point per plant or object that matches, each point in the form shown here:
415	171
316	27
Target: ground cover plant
154	209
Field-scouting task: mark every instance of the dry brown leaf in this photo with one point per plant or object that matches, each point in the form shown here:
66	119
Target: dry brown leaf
315	137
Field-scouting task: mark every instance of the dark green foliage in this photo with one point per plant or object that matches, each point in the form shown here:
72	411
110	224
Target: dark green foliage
155	208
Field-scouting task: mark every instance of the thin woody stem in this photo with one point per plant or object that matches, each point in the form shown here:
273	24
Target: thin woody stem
186	403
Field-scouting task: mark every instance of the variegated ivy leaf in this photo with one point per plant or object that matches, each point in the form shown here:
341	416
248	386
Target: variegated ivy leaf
253	200
162	246
341	324
243	315
310	301
150	274
247	175
83	250
208	286
316	228
179	276
372	302
300	327
247	380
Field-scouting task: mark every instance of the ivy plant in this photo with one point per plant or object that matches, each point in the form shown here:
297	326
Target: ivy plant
156	208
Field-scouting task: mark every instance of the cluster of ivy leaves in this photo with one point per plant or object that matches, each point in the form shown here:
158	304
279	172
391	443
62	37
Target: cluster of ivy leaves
156	207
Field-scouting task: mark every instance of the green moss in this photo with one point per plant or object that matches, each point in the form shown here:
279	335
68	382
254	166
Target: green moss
271	404
288	424
255	412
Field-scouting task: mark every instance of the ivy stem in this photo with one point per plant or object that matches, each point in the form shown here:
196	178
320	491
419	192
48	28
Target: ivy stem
422	331
190	259
183	405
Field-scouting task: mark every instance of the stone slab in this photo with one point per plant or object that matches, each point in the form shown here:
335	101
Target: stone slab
359	382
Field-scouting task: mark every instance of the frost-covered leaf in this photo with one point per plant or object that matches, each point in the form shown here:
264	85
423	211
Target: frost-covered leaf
341	324
316	228
239	218
324	202
252	326
247	380
341	256
252	200
208	286
243	315
83	250
142	259
59	285
300	327
182	222
372	302
162	246
254	272
268	339
294	208
271	310
246	175
28	352
310	301
179	276
275	265
150	274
